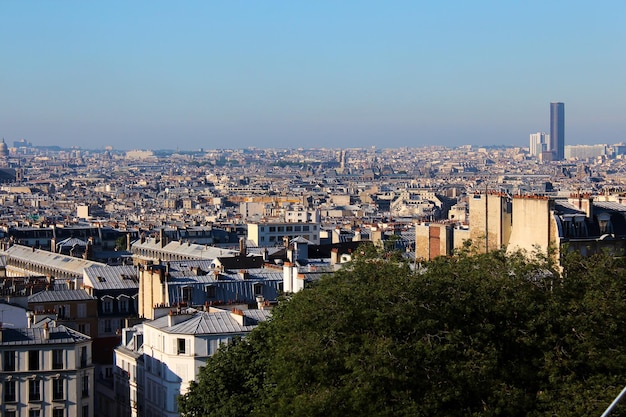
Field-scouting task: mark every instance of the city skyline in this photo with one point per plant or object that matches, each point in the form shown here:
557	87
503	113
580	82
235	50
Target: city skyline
153	75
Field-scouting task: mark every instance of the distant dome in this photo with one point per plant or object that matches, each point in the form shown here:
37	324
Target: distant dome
4	150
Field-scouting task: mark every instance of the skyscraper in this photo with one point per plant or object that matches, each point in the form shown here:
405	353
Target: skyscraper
557	130
539	143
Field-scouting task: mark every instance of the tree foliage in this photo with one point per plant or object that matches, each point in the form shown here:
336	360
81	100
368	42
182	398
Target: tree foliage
471	335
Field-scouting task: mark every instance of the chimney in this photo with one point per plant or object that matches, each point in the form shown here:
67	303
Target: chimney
287	277
334	255
161	238
46	331
243	250
237	315
176	317
260	301
1	332
128	242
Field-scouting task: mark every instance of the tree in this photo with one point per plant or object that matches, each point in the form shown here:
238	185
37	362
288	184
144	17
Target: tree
232	381
492	334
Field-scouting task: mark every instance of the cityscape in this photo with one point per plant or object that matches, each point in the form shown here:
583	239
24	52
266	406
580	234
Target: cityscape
171	176
90	237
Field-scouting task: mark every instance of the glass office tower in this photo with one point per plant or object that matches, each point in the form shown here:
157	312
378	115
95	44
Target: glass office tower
557	130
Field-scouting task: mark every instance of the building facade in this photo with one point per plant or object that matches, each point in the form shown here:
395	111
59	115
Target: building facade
46	371
538	143
158	359
273	234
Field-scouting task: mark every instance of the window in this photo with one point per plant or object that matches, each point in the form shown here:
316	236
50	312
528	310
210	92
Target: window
82	310
85	411
84	328
34	390
57	359
210	291
107	326
187	294
33	360
107	305
63	311
86	386
281	229
8	360
9	391
34	413
83	356
258	289
57	389
290	228
296	228
272	228
10	413
58	412
181	346
123	305
305	228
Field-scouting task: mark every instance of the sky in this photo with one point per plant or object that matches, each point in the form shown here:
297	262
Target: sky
234	74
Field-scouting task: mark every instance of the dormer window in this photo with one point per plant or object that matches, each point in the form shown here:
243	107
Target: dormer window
604	223
107	304
210	291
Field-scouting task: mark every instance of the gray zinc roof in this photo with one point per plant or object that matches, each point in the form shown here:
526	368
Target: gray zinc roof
205	323
67	264
181	248
105	277
64	295
36	336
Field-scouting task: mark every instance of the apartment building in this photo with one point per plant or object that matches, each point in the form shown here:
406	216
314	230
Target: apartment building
46	371
158	359
274	233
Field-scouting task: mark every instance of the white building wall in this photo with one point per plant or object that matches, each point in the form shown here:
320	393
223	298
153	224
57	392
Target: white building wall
272	234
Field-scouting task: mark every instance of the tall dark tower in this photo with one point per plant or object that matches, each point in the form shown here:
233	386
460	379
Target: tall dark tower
557	130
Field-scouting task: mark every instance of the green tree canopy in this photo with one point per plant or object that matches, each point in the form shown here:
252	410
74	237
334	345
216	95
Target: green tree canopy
470	335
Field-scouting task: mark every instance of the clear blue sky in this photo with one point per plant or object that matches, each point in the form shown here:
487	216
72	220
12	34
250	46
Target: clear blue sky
231	74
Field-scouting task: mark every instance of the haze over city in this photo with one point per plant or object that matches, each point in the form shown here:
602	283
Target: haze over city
197	74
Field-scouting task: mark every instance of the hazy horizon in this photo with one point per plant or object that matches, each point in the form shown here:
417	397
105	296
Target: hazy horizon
232	75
